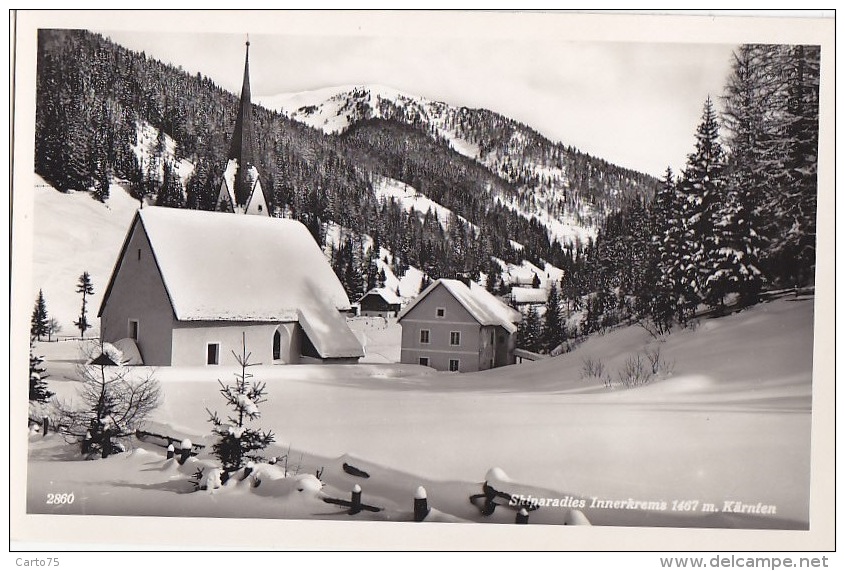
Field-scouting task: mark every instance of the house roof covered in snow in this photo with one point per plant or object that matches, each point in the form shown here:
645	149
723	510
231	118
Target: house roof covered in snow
529	295
386	294
222	267
484	307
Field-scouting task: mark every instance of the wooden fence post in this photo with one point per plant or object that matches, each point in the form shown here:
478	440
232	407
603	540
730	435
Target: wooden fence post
420	504
171	451
248	469
185	450
522	516
356	500
45	426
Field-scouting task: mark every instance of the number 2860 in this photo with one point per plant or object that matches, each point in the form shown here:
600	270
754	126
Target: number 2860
59	499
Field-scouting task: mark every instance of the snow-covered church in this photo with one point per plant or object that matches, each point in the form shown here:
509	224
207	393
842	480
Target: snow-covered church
189	287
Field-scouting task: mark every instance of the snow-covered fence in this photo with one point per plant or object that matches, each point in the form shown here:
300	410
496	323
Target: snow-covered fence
525	355
45	423
166	441
355	504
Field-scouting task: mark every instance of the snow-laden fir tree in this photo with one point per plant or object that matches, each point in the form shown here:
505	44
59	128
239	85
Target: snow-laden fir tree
530	330
86	287
771	122
37	375
553	325
236	440
659	306
733	259
171	192
39	325
701	192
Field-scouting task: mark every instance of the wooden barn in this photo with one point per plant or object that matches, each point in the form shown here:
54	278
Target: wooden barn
458	326
379	302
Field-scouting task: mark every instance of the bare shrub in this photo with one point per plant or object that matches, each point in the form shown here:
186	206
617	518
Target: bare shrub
659	365
592	368
656	329
635	373
653	356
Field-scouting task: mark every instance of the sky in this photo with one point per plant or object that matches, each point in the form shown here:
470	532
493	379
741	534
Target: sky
633	104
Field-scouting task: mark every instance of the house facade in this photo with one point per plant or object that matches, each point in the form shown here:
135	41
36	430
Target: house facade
189	287
455	326
379	302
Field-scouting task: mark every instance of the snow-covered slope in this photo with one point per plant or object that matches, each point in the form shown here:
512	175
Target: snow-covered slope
730	424
548	197
74	233
145	149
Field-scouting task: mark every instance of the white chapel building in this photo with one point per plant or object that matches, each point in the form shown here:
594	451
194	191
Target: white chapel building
189	287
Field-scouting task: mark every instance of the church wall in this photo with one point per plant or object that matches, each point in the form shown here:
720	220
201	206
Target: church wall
138	294
191	339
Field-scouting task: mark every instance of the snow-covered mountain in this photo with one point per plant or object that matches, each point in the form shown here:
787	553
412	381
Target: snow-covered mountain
568	192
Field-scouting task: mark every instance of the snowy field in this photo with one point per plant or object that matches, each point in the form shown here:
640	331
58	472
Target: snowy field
730	422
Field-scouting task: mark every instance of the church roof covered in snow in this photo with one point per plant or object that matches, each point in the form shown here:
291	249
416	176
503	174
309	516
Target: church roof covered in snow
223	267
484	307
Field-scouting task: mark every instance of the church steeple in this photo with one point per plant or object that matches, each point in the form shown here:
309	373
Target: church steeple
241	190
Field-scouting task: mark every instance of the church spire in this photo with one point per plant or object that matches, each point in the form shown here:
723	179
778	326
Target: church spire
241	191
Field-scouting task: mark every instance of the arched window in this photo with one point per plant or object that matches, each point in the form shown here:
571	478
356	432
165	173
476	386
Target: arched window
277	345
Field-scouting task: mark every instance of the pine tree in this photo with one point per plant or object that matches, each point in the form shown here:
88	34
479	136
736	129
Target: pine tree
236	440
668	230
733	259
701	192
528	334
553	329
37	374
171	192
771	120
40	321
86	287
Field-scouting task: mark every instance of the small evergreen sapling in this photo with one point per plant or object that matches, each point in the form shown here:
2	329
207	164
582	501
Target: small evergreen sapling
37	387
236	441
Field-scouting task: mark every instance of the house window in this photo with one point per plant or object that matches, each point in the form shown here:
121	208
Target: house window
260	208
441	312
133	329
213	354
455	338
277	345
424	361
424	335
139	253
454	364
